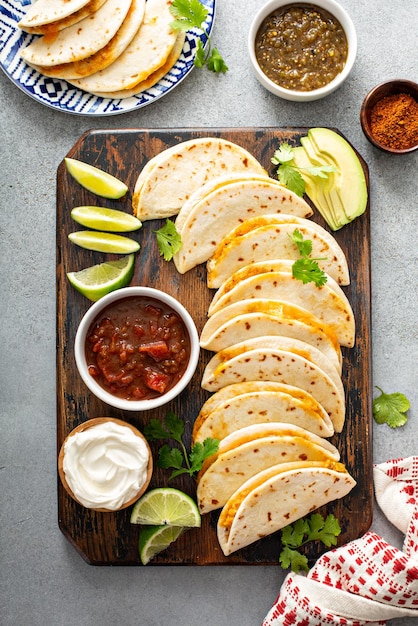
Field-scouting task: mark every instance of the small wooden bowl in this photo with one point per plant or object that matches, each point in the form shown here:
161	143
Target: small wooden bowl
90	424
388	88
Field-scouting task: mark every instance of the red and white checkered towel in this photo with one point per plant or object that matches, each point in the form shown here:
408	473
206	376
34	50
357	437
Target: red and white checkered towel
367	581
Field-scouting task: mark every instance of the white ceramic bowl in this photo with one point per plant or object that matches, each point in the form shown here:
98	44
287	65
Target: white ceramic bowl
304	96
96	388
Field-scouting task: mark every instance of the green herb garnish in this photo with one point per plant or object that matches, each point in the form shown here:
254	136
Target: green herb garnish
391	409
177	458
192	14
306	268
168	239
288	172
307	529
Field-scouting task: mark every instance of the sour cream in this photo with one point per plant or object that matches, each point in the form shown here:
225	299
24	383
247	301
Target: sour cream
105	466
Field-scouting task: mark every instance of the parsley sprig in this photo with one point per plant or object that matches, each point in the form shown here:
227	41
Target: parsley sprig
192	14
306	268
176	458
391	409
313	528
168	239
289	173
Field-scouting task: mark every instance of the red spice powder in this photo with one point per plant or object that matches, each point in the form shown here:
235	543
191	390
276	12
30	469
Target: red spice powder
394	121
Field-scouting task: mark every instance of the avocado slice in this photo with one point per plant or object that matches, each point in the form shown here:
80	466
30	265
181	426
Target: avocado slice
315	186
328	184
350	181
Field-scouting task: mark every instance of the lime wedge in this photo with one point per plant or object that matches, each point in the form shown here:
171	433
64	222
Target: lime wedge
168	506
104	242
96	180
96	281
155	539
101	218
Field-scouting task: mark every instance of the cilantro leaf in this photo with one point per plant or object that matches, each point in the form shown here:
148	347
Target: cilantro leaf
290	558
304	245
202	451
308	271
169	457
283	155
155	430
188	13
168	239
306	268
296	535
192	14
391	408
216	63
174	457
289	174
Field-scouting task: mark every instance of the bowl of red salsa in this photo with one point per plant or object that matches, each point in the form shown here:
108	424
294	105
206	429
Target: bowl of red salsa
137	348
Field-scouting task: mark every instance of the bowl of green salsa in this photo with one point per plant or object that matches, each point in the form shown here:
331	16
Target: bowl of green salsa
302	51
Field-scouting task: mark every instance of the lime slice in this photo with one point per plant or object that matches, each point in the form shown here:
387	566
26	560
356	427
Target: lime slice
101	218
168	506
155	539
104	242
96	180
96	281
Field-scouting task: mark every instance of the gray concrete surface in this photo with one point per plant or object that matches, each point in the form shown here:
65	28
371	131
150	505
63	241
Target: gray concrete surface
43	580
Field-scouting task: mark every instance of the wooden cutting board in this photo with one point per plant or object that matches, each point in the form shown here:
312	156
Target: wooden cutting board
109	538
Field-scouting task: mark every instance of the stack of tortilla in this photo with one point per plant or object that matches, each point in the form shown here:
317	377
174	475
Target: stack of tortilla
276	369
111	48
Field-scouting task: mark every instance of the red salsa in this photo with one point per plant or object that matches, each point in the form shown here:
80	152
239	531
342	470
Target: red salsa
138	348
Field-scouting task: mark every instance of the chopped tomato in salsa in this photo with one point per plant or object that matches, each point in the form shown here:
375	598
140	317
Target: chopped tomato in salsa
138	348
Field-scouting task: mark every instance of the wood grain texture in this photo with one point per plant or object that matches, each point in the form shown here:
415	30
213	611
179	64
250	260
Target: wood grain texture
109	538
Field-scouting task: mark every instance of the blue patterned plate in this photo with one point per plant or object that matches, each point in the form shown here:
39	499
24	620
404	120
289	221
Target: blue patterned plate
60	95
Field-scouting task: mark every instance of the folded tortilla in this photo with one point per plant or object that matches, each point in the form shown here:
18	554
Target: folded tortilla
253	318
285	366
277	497
328	303
172	176
256	402
269	237
250	450
223	209
148	51
80	40
106	55
153	78
46	12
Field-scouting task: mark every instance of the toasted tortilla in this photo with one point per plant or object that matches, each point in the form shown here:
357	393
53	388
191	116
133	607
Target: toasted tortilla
285	366
256	402
269	237
216	214
279	342
257	317
107	55
176	173
153	78
148	51
250	450
277	497
328	304
44	12
215	186
51	26
80	40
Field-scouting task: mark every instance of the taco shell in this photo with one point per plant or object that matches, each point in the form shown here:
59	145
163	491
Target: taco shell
269	237
277	497
250	450
257	402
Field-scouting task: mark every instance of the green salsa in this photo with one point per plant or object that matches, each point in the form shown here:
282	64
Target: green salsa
301	47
